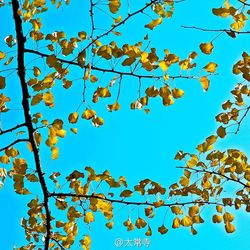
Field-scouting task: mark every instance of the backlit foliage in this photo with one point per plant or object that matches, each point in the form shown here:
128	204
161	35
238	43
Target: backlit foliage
84	59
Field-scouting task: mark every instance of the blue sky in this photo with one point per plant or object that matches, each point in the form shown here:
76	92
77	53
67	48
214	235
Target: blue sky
132	143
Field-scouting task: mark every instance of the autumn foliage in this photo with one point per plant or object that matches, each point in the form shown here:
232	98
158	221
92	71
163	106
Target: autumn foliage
53	59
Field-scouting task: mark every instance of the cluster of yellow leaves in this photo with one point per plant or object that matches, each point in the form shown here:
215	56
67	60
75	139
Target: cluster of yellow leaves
55	130
233	109
239	18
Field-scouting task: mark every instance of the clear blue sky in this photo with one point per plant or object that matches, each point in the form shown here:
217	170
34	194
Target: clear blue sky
132	143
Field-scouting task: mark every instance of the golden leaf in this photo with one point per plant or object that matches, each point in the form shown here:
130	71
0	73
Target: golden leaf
211	67
221	132
2	55
55	152
89	217
207	48
204	83
162	229
154	23
177	93
88	114
2	82
73	117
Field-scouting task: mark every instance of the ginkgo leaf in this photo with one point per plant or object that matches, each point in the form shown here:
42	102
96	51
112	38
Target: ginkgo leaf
55	153
154	23
89	217
162	229
9	60
229	227
37	99
97	121
126	193
207	48
114	6
36	71
74	130
204	83
186	221
140	223
211	67
48	99
73	117
88	114
221	132
217	218
110	224
176	222
2	55
177	93
2	82
149	231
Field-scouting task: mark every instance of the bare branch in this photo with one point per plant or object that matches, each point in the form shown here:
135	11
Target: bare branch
133	202
2	132
13	143
216	30
244	3
241	120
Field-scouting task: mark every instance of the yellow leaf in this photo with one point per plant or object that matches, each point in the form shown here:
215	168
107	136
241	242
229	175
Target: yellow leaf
38	138
126	193
207	48
176	222
177	93
229	227
149	231
228	217
114	6
11	152
82	35
186	221
204	83
73	117
55	152
37	99
88	114
97	121
154	23
162	229
163	65
2	55
36	71
211	67
140	223
89	217
74	130
128	61
48	99
93	79
217	218
152	91
193	211
113	107
110	224
2	82
9	61
86	242
221	132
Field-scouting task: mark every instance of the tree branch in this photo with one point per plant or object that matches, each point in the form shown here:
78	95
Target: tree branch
2	132
132	202
13	143
122	73
241	120
125	20
217	173
244	3
216	30
28	119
